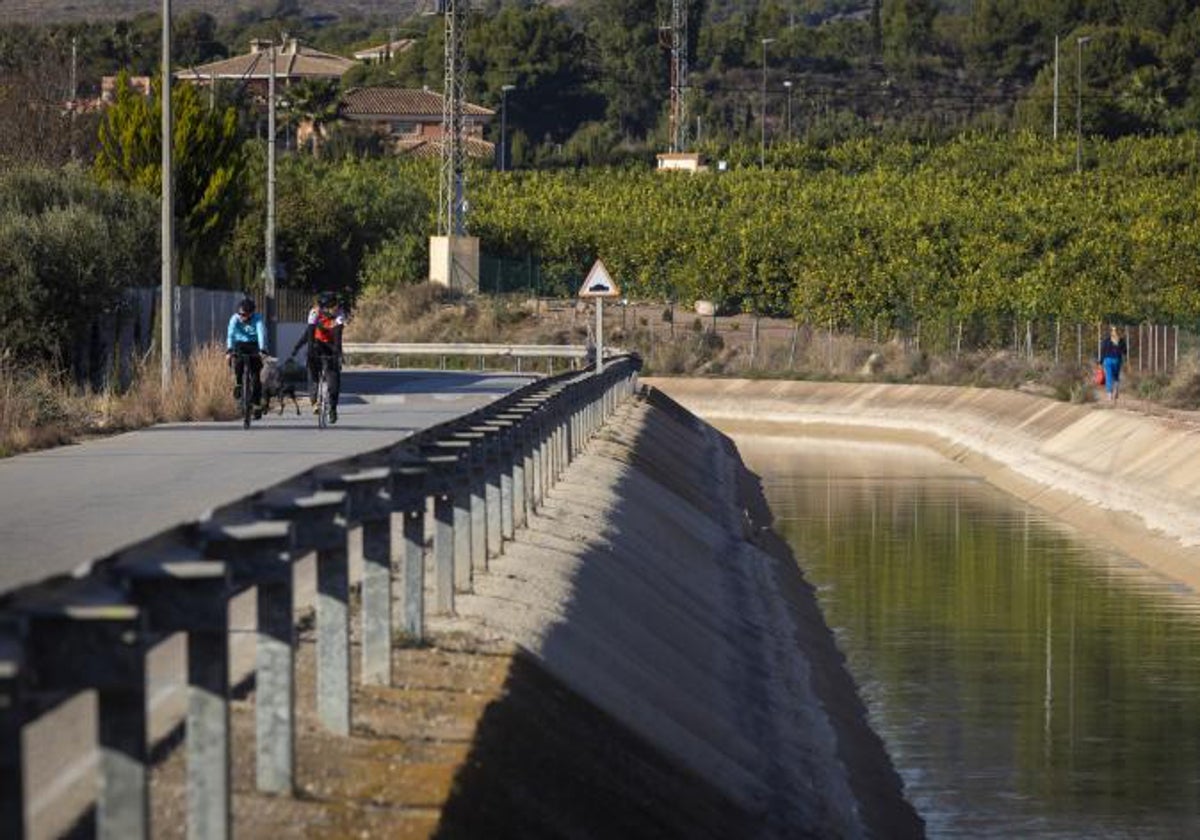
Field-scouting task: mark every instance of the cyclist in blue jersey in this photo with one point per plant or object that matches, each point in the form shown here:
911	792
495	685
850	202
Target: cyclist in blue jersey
245	342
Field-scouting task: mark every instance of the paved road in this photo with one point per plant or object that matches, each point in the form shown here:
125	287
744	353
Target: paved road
64	507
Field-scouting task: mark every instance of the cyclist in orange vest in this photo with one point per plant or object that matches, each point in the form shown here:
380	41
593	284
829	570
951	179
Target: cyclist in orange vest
324	338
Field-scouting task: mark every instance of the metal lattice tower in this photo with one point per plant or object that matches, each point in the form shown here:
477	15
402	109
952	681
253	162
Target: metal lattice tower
452	219
679	71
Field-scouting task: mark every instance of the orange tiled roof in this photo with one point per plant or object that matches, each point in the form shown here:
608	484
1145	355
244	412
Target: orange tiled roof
292	61
390	102
431	147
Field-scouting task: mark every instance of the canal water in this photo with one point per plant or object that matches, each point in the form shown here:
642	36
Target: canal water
1028	682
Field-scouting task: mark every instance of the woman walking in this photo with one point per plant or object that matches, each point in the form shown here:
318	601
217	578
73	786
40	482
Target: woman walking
1112	354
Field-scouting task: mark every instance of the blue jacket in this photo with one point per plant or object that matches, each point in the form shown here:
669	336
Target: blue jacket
253	330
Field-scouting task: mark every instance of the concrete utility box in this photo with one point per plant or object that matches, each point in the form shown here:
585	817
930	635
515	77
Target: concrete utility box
681	162
454	262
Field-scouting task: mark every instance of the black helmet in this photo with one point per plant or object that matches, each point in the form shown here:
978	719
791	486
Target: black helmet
246	306
325	300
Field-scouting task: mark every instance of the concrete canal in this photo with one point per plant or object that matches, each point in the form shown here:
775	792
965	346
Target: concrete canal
1027	678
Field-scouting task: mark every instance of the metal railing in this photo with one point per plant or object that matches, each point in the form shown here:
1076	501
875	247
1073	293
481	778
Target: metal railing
575	354
485	473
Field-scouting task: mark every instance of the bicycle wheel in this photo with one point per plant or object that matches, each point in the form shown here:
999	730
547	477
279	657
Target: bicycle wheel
247	393
323	401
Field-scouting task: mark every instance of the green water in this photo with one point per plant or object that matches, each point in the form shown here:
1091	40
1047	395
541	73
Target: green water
1027	681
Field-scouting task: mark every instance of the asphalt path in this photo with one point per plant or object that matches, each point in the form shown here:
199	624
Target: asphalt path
64	507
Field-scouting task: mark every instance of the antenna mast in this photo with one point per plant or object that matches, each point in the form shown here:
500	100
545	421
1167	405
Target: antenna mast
679	71
451	196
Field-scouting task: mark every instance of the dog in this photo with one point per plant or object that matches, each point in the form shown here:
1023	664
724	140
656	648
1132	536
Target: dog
279	382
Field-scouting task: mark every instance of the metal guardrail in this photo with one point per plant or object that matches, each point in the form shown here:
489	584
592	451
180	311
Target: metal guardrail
528	351
485	473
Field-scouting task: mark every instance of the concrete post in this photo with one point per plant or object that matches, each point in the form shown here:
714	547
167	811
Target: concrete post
479	518
462	528
275	688
443	551
506	467
321	523
412	603
369	493
260	553
12	710
333	639
377	602
208	751
86	635
409	481
123	809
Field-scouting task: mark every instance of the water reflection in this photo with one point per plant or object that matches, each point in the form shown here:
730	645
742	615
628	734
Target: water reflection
1027	682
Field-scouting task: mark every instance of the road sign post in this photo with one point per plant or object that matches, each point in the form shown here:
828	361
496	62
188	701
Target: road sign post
599	285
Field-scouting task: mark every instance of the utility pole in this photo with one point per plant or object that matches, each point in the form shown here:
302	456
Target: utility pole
74	92
269	269
679	73
1054	134
167	314
504	125
788	84
1079	42
762	154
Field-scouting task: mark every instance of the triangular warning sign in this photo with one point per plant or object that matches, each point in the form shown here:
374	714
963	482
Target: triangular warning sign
598	283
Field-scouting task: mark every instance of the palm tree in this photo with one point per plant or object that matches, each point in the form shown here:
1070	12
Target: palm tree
312	102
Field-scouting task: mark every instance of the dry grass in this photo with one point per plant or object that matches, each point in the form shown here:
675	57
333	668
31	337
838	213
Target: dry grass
42	408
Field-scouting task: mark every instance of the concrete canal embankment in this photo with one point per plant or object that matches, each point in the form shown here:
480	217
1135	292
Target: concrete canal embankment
1124	476
673	676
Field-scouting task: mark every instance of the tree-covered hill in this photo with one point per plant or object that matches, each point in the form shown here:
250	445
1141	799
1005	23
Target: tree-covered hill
592	77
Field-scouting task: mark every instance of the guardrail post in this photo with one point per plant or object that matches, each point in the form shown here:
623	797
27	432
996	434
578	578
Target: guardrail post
259	553
492	495
506	469
83	635
474	509
370	504
518	446
409	476
321	520
182	591
479	519
444	457
462	526
12	711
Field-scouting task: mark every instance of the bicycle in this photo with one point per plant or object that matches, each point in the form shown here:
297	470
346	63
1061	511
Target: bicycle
246	400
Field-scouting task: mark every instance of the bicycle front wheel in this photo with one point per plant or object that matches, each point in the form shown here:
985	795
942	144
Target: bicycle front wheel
247	394
323	403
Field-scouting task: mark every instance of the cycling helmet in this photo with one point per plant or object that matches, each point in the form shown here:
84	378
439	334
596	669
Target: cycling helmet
246	306
327	300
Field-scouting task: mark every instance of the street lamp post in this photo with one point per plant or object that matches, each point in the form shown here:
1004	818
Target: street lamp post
1079	42
788	84
762	155
504	89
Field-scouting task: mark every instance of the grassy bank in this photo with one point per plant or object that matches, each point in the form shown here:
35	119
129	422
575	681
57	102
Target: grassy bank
41	407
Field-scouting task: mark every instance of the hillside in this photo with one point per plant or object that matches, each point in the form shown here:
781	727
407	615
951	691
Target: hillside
70	11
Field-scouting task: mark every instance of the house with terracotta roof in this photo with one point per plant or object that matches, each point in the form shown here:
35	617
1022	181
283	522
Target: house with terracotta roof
411	119
294	62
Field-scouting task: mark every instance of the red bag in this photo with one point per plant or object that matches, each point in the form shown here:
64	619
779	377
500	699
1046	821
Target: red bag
1098	376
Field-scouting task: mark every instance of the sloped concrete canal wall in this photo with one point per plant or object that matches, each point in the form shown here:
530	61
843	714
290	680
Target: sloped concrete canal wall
686	680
